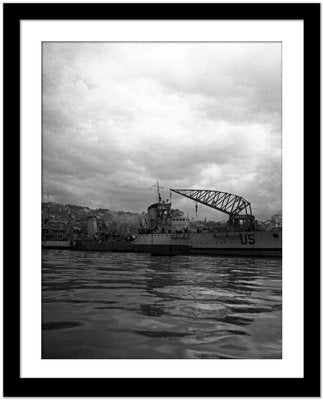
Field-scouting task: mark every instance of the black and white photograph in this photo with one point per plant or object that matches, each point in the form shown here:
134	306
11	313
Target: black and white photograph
161	200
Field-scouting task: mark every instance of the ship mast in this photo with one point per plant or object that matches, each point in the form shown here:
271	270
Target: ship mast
156	185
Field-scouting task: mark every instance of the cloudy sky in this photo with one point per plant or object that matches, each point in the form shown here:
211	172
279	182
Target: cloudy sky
117	117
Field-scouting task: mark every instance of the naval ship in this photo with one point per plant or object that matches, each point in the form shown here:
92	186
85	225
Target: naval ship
166	231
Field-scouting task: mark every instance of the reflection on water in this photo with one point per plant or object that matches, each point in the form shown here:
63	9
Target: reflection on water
114	305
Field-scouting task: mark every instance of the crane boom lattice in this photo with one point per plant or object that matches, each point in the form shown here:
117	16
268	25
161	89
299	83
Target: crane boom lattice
225	202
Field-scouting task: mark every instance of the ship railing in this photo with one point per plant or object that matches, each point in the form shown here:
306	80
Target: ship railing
180	235
226	234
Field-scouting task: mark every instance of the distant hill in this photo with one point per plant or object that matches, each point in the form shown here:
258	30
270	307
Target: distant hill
76	216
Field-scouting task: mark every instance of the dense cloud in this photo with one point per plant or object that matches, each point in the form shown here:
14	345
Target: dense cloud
117	117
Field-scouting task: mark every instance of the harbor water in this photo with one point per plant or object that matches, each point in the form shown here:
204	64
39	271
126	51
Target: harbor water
139	306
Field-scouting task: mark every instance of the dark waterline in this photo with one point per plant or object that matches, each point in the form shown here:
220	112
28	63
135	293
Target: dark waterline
123	305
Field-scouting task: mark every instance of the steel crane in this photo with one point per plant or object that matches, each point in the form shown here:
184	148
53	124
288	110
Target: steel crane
238	208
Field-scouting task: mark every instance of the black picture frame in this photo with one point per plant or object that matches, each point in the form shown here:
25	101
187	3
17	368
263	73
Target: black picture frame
14	385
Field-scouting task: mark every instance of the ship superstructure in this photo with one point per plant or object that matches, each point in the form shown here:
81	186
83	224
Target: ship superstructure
161	218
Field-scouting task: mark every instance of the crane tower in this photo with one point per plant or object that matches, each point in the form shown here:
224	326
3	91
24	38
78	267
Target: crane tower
238	208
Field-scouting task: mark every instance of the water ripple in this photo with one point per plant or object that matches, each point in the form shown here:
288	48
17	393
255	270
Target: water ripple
112	305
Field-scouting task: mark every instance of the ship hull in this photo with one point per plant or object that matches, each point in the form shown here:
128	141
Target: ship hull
250	244
56	244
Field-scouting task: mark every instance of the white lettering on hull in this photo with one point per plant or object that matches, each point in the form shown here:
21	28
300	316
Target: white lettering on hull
256	239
